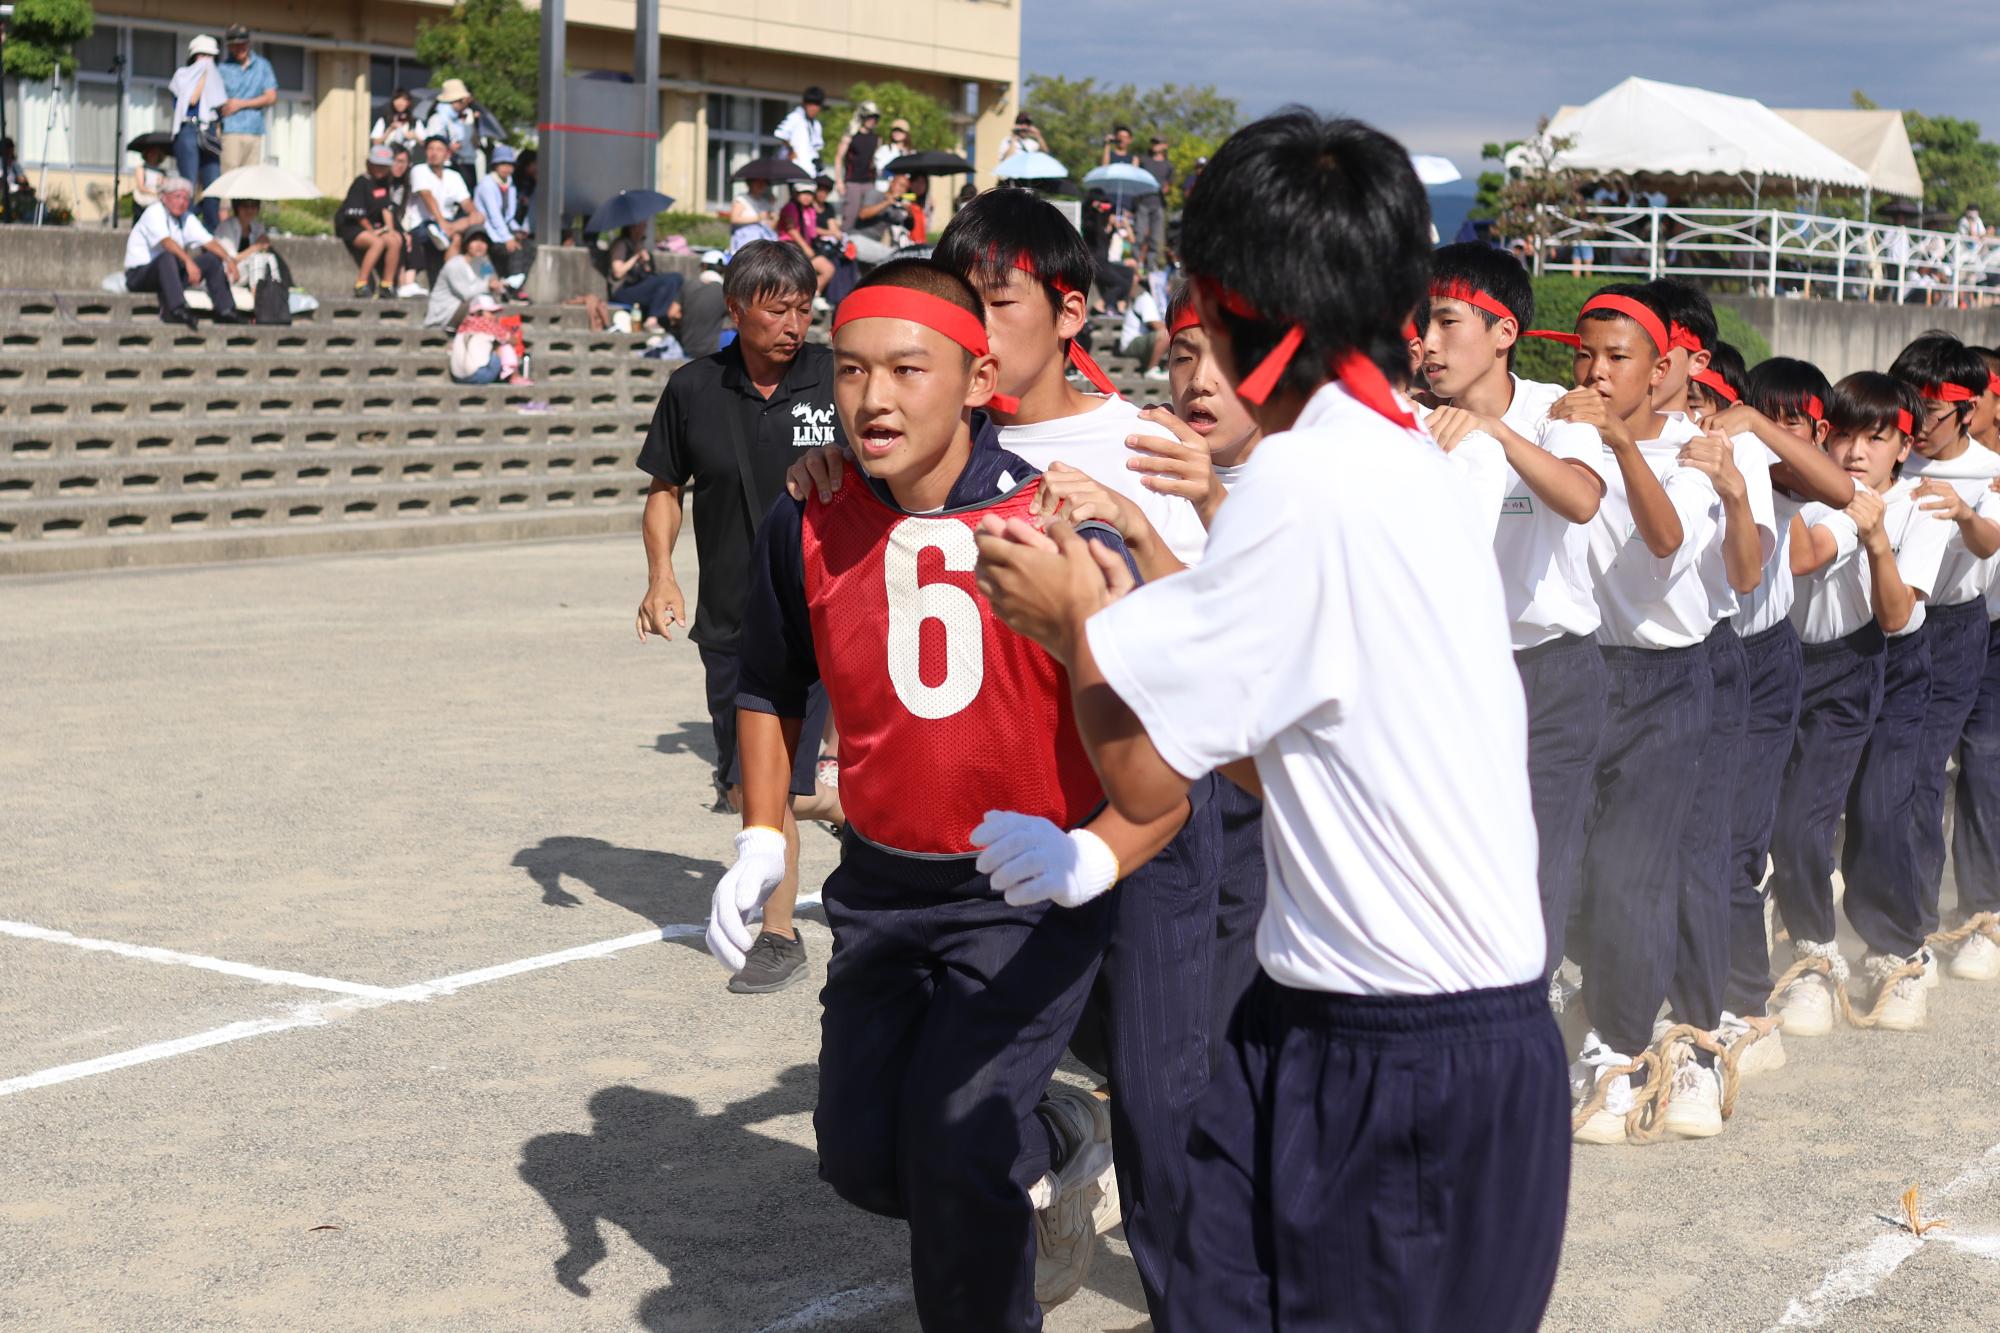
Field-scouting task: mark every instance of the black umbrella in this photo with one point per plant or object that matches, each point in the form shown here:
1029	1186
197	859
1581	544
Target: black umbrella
778	169
931	163
485	126
159	139
627	207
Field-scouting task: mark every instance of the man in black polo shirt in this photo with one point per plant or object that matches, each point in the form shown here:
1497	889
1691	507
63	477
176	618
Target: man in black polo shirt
729	425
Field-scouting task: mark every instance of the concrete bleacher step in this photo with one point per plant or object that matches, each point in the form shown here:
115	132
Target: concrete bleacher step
26	406
144	335
93	441
30	307
27	372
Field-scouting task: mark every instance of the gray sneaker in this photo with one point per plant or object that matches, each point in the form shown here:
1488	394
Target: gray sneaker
772	964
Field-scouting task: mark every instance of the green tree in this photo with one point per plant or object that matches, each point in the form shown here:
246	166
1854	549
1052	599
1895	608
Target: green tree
1956	165
930	122
42	34
1074	115
1516	198
495	47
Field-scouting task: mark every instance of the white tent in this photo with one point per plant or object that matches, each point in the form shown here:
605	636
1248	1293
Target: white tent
1644	128
1875	141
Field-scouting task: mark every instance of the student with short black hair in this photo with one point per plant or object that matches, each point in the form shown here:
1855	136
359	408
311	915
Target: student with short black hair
1480	304
1953	474
1402	940
954	982
1720	386
1975	836
1876	561
1791	396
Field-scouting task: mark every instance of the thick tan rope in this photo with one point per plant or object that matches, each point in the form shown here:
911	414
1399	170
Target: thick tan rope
1759	1028
1983	923
1594	1103
1824	966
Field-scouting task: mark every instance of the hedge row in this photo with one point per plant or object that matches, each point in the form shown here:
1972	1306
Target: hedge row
1558	299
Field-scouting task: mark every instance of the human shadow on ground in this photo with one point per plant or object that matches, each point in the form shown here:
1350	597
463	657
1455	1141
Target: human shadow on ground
739	1219
698	739
665	888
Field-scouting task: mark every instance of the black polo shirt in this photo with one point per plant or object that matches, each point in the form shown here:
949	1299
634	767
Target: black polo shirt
714	430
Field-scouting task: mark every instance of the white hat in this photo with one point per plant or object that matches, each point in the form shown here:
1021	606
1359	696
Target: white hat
454	90
201	44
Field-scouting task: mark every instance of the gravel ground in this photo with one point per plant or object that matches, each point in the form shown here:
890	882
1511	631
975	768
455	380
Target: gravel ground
385	770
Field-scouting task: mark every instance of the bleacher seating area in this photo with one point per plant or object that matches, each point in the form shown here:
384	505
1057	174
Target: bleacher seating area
126	442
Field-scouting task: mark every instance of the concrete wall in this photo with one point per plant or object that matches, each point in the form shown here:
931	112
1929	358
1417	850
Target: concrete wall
1841	337
78	258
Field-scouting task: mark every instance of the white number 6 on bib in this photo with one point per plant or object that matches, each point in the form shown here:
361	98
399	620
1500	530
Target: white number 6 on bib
912	603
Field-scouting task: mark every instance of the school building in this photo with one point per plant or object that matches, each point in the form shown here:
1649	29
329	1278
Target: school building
729	71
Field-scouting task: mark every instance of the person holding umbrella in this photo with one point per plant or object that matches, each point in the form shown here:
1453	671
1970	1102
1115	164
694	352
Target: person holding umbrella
152	171
754	216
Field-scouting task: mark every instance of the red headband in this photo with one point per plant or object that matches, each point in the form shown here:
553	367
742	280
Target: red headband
1456	290
933	312
1636	311
1410	334
1356	373
1713	381
1186	319
1904	423
1678	335
1950	393
1815	408
1992	382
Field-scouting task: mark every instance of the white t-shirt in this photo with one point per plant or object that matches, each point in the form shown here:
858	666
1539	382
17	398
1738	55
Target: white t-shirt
1544	558
155	225
1362	660
1754	461
1479	464
447	187
1772	600
1832	601
1920	540
1646	601
1963	577
1093	443
804	135
1140	311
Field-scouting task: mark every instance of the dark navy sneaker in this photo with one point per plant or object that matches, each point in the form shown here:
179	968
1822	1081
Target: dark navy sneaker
772	964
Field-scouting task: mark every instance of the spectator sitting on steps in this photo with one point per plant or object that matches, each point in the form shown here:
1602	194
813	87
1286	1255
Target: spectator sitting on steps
633	282
439	216
463	277
169	248
498	201
487	346
369	224
244	235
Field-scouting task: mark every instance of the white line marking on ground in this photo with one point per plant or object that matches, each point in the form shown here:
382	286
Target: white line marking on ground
841	1305
245	971
318	1015
1859	1272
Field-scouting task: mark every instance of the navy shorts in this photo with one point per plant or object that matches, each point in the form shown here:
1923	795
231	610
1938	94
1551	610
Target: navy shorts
721	670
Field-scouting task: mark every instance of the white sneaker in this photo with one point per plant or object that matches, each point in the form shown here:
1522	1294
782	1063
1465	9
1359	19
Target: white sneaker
1068	1198
1933	974
1694	1106
1806	1007
1157	373
1607	1123
411	288
1762	1055
1907	1001
1978	959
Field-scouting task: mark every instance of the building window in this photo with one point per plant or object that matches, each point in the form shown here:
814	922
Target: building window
83	126
739	131
388	73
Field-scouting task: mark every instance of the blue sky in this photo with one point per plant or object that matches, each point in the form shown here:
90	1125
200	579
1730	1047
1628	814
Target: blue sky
1447	77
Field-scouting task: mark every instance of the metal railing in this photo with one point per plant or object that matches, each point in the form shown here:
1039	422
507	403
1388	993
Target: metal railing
1774	253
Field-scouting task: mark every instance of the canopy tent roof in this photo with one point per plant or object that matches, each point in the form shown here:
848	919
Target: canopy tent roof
1646	128
1875	141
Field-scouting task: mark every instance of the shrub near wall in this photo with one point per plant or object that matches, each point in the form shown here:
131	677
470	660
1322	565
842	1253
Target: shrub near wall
1558	299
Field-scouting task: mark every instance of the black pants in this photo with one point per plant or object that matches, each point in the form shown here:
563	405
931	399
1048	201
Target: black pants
944	1014
509	262
1635	861
1975	832
1701	964
166	276
1239	906
1342	1178
1151	1009
1839	698
1879	859
651	295
1957	637
1776	677
426	254
1566	684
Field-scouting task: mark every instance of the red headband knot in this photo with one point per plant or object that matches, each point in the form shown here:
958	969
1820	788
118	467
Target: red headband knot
1410	334
1679	335
1949	393
1457	290
1356	373
1712	381
1085	364
933	312
1903	422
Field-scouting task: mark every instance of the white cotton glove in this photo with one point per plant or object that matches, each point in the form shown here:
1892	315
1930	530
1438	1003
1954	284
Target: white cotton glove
748	885
1030	860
